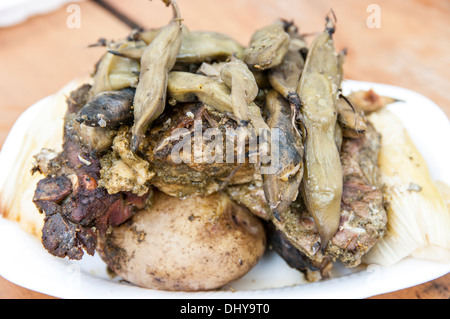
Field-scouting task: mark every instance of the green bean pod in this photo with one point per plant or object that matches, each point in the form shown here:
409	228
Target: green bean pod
267	47
236	75
352	121
202	46
189	87
285	78
196	47
115	73
156	62
281	187
318	91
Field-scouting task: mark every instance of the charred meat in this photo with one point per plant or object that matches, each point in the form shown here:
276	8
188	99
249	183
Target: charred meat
75	207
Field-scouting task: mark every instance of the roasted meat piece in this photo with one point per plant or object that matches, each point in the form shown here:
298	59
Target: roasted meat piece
251	196
299	228
188	150
295	258
363	218
75	207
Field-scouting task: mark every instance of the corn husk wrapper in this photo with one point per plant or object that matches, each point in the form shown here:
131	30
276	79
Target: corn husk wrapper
41	126
418	215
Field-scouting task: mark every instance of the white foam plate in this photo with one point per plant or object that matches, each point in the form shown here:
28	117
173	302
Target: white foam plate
25	262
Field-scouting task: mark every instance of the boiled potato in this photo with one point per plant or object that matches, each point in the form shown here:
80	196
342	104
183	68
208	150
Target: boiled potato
197	243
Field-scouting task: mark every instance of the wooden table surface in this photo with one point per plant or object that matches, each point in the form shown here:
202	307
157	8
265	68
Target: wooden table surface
408	48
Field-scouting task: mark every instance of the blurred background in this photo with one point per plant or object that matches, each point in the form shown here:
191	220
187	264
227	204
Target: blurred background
44	43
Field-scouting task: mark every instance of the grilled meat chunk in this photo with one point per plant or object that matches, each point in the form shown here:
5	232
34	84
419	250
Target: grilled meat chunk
251	196
295	258
75	207
363	218
298	226
187	150
63	238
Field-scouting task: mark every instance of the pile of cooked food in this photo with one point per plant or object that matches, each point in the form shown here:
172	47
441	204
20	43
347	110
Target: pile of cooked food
130	185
